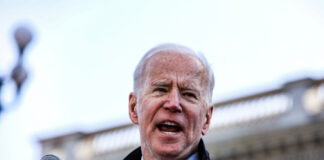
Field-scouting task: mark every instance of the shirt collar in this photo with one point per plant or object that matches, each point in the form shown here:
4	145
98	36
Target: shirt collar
192	157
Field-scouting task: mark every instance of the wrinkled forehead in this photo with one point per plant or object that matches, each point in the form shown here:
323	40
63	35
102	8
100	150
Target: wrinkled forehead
175	63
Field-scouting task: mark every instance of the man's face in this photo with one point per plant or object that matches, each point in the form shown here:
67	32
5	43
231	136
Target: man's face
171	107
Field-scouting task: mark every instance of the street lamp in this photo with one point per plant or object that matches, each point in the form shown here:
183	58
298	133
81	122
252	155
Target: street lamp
22	36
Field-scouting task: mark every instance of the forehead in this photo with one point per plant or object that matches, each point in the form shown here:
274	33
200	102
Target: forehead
175	63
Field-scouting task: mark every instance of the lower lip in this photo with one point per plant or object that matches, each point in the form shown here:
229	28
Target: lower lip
170	134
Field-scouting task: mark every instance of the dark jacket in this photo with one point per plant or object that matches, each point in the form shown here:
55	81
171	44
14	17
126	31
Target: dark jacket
202	152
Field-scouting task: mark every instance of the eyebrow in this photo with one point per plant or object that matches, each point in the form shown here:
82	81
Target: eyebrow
161	83
168	84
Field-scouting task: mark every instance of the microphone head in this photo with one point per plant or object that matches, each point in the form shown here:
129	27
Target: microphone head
50	157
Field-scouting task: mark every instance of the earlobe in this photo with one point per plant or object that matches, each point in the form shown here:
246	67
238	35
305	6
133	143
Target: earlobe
132	102
207	120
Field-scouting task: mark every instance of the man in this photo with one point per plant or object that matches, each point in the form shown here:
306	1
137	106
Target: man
172	104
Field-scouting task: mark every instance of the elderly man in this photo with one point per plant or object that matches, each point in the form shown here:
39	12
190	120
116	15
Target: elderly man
172	104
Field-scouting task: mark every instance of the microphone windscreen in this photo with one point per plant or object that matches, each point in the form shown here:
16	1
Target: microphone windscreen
50	157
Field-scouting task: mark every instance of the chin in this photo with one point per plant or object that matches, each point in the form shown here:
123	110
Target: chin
169	150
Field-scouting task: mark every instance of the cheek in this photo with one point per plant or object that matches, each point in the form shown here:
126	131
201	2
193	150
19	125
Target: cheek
192	117
196	118
147	109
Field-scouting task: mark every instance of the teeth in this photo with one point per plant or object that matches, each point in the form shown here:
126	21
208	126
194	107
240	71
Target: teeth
170	123
169	133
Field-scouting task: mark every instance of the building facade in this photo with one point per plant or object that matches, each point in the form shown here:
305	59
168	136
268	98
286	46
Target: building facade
285	123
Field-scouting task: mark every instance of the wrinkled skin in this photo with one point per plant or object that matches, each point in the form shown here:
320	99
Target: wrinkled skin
174	89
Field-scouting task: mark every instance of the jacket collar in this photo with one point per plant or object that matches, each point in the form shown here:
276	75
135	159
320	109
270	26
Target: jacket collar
202	152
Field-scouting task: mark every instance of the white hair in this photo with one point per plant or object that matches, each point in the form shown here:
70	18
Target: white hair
140	68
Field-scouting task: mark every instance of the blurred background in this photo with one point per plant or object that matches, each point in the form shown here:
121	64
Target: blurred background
82	55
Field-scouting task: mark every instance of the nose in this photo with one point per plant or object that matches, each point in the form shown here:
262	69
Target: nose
173	102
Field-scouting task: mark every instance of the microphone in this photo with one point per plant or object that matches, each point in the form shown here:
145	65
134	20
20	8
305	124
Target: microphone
50	157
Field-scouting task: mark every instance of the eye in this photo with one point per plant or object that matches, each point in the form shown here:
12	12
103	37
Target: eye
160	90
190	95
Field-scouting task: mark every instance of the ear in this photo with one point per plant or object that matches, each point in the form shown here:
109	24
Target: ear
132	101
208	117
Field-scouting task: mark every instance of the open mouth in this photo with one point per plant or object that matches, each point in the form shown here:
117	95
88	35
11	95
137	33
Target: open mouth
168	127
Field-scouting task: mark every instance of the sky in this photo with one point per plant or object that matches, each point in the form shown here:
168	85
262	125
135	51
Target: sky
83	54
